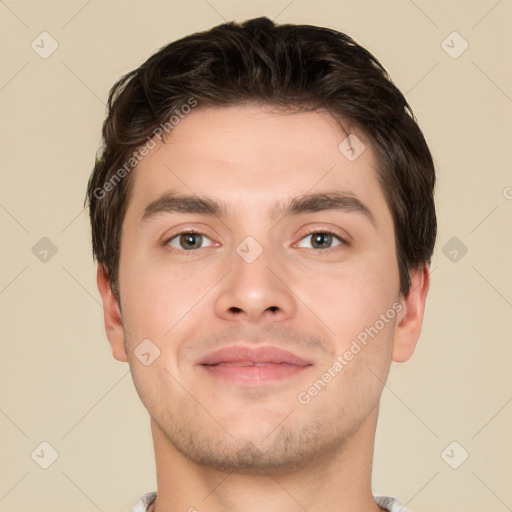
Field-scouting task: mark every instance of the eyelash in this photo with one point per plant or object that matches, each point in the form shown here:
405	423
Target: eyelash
313	231
184	232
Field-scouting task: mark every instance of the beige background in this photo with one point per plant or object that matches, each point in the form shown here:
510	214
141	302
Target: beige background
59	382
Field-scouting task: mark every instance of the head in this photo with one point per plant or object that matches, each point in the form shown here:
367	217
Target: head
273	133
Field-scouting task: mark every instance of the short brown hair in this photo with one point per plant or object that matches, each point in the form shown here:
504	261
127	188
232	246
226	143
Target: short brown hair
288	66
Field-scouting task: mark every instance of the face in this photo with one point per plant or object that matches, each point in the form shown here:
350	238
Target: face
259	260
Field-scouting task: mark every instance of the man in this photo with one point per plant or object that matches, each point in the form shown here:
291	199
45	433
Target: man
263	220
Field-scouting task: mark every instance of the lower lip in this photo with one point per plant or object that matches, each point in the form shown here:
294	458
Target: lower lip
254	374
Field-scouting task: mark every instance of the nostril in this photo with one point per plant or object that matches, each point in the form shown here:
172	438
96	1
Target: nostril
273	308
235	309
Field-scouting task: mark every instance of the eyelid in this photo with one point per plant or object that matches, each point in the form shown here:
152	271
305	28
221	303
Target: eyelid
337	241
196	231
342	235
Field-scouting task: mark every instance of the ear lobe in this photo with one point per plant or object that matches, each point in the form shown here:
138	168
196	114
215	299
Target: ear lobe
111	316
410	318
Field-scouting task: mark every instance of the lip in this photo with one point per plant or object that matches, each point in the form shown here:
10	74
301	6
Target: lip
258	355
253	365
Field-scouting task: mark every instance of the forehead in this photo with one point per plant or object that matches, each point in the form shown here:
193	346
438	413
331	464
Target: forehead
250	156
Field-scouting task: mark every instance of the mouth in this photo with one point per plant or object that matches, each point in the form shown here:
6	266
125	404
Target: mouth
253	365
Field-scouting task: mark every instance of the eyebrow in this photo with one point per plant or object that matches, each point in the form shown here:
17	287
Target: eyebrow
322	201
307	203
177	203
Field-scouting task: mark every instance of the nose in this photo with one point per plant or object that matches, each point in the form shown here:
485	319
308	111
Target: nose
255	291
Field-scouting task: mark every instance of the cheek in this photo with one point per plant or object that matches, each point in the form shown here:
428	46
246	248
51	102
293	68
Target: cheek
158	297
351	299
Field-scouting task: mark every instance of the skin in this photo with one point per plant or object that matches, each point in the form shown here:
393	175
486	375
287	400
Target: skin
224	446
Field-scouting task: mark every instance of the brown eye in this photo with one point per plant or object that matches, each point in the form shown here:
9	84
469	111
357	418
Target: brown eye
189	241
321	240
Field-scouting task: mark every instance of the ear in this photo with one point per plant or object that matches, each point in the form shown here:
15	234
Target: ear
112	316
410	317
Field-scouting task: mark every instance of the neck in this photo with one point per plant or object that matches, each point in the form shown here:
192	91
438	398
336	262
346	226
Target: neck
341	483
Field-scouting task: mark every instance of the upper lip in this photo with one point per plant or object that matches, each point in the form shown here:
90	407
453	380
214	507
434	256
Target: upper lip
245	354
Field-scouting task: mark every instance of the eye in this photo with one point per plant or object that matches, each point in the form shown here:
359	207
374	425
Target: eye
321	240
189	241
